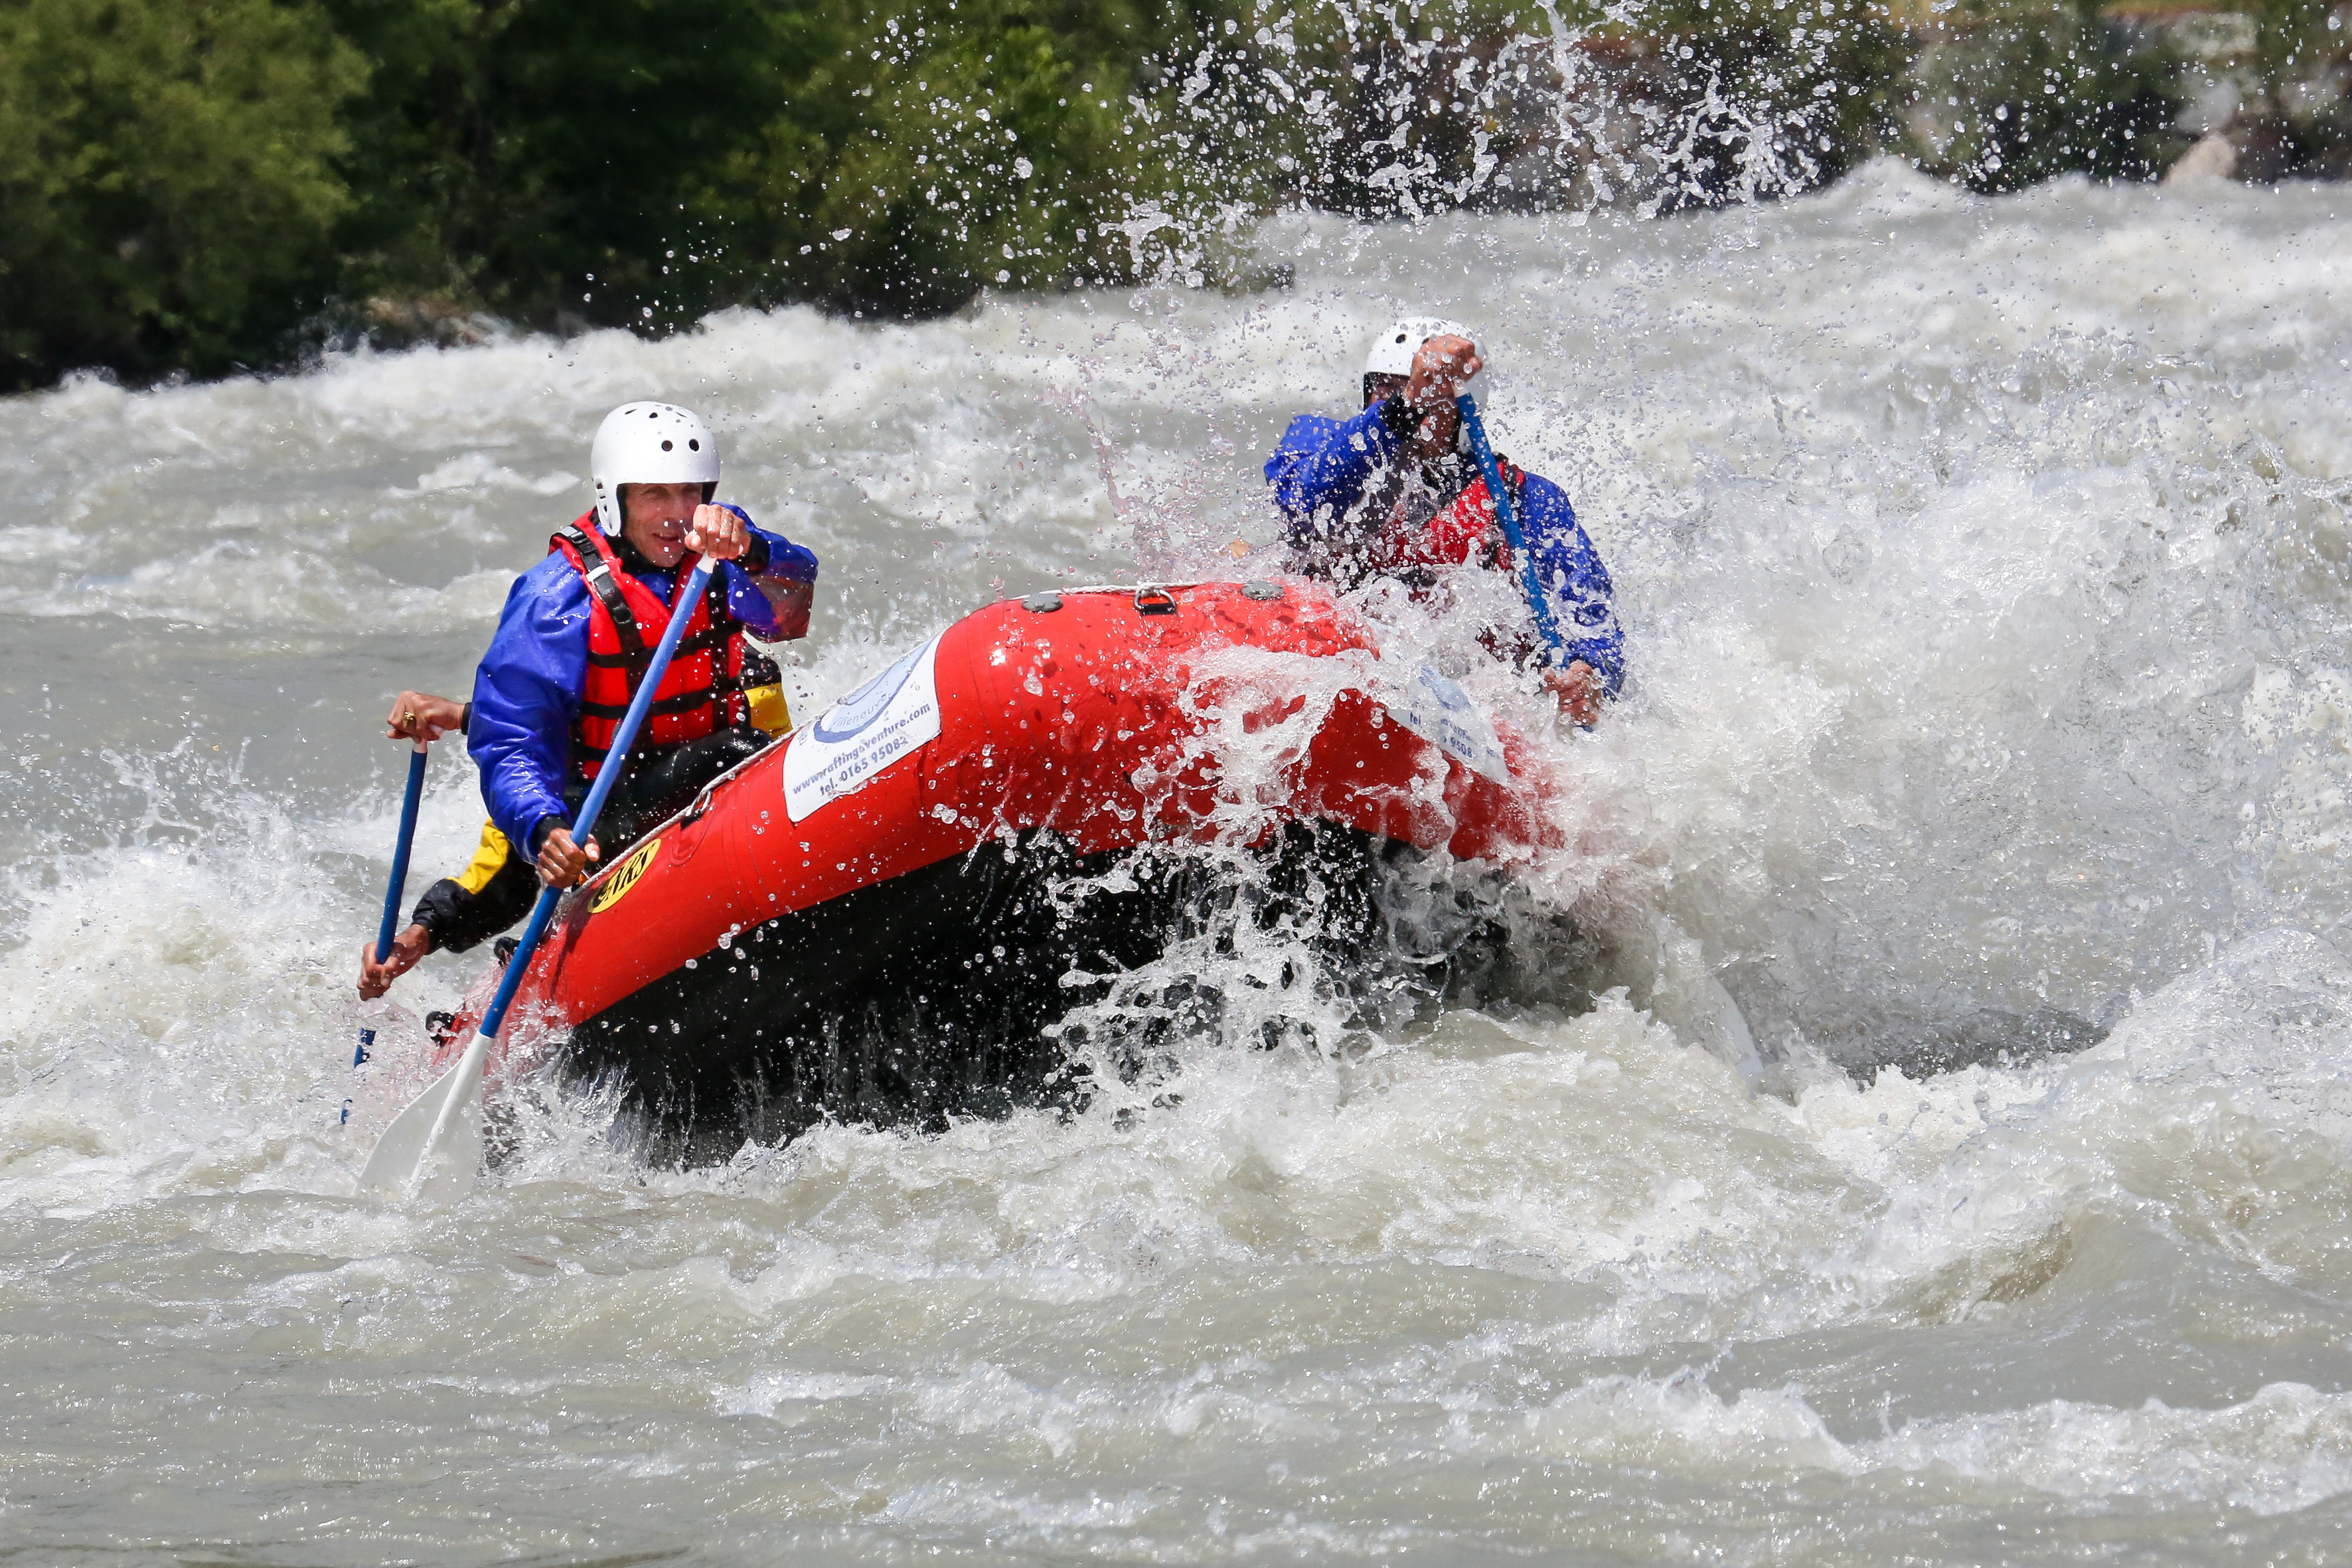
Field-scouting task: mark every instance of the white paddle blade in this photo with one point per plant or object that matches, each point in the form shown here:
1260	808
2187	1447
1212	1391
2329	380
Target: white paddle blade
433	1148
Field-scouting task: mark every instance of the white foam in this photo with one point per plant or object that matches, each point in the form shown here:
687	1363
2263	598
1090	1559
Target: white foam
1981	566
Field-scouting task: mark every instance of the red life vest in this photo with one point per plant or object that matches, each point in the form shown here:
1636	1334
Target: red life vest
700	692
1463	530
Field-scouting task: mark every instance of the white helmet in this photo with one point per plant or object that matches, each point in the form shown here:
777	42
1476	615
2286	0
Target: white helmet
1393	350
649	444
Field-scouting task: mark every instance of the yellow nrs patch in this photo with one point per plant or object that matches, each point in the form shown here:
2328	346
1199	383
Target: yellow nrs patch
768	708
625	877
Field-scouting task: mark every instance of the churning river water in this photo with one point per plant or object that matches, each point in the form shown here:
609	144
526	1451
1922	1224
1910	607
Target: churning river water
1985	566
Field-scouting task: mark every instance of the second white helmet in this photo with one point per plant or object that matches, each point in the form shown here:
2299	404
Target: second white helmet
1392	350
649	444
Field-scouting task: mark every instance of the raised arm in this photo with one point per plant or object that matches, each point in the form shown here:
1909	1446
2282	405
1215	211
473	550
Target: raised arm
772	586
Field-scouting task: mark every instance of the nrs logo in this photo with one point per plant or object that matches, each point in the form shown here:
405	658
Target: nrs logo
625	877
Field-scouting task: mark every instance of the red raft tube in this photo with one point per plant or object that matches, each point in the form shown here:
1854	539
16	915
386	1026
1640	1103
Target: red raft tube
859	923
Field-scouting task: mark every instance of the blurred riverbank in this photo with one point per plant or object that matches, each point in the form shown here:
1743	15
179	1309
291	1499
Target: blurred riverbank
199	188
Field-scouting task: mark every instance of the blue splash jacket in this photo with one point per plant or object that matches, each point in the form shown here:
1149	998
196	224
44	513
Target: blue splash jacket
527	689
1322	467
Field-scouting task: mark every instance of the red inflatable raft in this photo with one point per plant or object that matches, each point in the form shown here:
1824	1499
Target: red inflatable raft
859	923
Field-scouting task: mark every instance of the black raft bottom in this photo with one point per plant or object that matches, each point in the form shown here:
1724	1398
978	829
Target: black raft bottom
933	995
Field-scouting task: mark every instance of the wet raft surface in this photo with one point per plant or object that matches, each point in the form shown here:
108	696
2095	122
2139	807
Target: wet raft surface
934	995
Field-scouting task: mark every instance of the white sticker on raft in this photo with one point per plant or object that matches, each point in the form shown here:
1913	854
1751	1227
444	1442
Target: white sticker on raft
1441	713
863	733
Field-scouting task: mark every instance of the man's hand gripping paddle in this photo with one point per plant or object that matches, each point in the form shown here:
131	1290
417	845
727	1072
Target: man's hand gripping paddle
1530	580
433	1148
399	878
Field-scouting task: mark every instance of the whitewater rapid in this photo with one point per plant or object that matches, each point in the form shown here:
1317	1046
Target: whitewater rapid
1984	566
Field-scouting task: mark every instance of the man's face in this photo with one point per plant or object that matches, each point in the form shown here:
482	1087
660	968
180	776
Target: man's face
1434	437
653	517
1436	423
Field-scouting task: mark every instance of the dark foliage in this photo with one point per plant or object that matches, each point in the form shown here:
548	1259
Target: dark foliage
2022	96
193	185
168	187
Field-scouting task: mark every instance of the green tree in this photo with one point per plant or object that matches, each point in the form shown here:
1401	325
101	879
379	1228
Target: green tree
2303	63
953	147
989	153
168	184
642	162
1474	103
543	157
2012	92
1764	98
184	184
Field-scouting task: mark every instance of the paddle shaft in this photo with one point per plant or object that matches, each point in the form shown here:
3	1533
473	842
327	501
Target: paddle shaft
690	594
1530	580
391	894
400	851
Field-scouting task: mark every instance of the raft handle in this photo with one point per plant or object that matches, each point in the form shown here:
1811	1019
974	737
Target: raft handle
1154	602
1042	603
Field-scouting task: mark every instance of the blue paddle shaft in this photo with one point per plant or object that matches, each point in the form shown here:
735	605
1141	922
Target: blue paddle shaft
607	776
1530	580
400	852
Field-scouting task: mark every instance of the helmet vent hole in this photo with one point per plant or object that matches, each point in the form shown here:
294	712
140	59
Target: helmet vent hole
694	445
665	446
